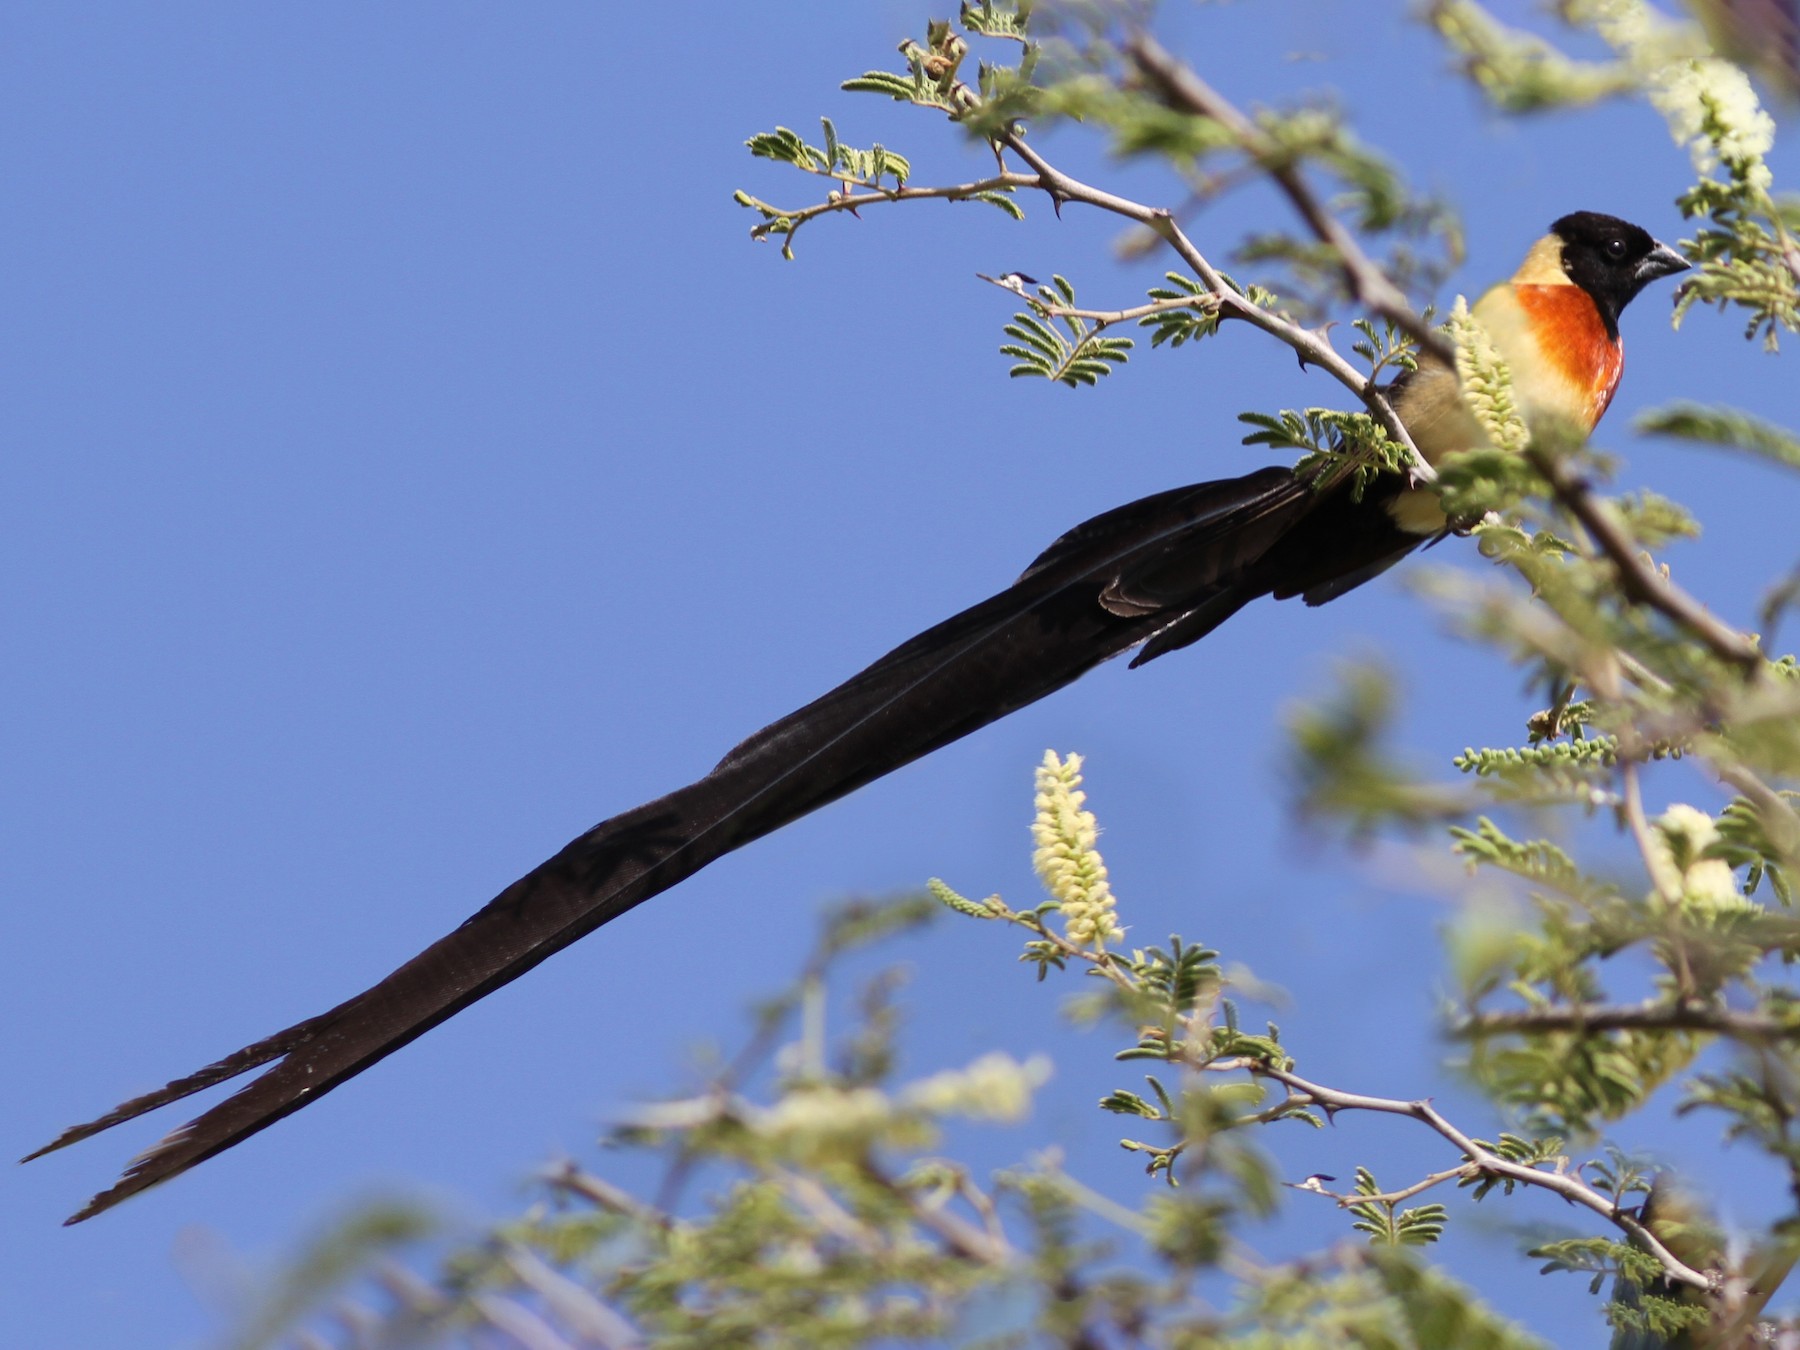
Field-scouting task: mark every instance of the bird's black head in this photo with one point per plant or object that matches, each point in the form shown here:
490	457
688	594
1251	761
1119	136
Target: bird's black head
1612	260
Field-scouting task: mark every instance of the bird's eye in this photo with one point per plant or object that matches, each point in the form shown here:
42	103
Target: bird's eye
1615	248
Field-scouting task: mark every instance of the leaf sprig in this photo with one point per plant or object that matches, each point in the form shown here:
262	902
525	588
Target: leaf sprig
1387	1225
1334	445
1085	356
834	159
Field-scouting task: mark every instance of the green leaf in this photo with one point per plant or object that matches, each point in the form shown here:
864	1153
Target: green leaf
1439	1312
1176	326
1129	1104
786	147
1726	427
901	88
975	909
1598	751
1337	445
1000	197
993	20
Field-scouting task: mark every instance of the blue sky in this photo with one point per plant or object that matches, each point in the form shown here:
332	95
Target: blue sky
411	461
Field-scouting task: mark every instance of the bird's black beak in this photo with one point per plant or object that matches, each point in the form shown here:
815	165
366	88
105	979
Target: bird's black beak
1661	261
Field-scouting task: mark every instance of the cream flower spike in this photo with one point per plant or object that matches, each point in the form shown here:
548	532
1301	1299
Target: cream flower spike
1710	105
1065	858
1683	833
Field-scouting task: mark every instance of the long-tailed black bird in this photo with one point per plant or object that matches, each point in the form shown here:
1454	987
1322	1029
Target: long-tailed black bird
1162	572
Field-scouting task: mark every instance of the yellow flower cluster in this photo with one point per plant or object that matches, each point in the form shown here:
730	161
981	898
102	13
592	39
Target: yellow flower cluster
1065	858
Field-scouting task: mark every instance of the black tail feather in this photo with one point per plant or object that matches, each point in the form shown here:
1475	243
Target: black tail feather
1166	569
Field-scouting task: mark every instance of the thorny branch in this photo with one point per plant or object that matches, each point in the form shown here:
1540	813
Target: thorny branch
1313	348
1632	804
1637	575
789	222
1103	319
1304	1093
1650	1016
1779	818
981	1244
568	1176
1184	90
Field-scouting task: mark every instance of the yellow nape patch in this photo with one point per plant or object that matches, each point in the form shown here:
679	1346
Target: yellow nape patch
1543	266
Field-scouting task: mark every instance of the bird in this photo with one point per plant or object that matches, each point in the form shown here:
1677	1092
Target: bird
1157	575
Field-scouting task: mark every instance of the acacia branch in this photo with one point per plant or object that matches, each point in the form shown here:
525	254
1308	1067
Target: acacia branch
810	1195
1790	249
1779	819
1185	91
1746	1026
568	1176
1637	576
1482	1160
983	1205
1312	347
1655	860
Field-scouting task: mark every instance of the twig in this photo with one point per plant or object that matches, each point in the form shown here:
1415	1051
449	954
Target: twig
1091	1200
752	1055
1633	1017
1641	674
1348	1200
575	1306
983	1204
1102	962
1657	862
1778	817
1106	318
961	1236
1790	249
1483	1160
568	1176
1632	805
810	1195
788	222
518	1322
